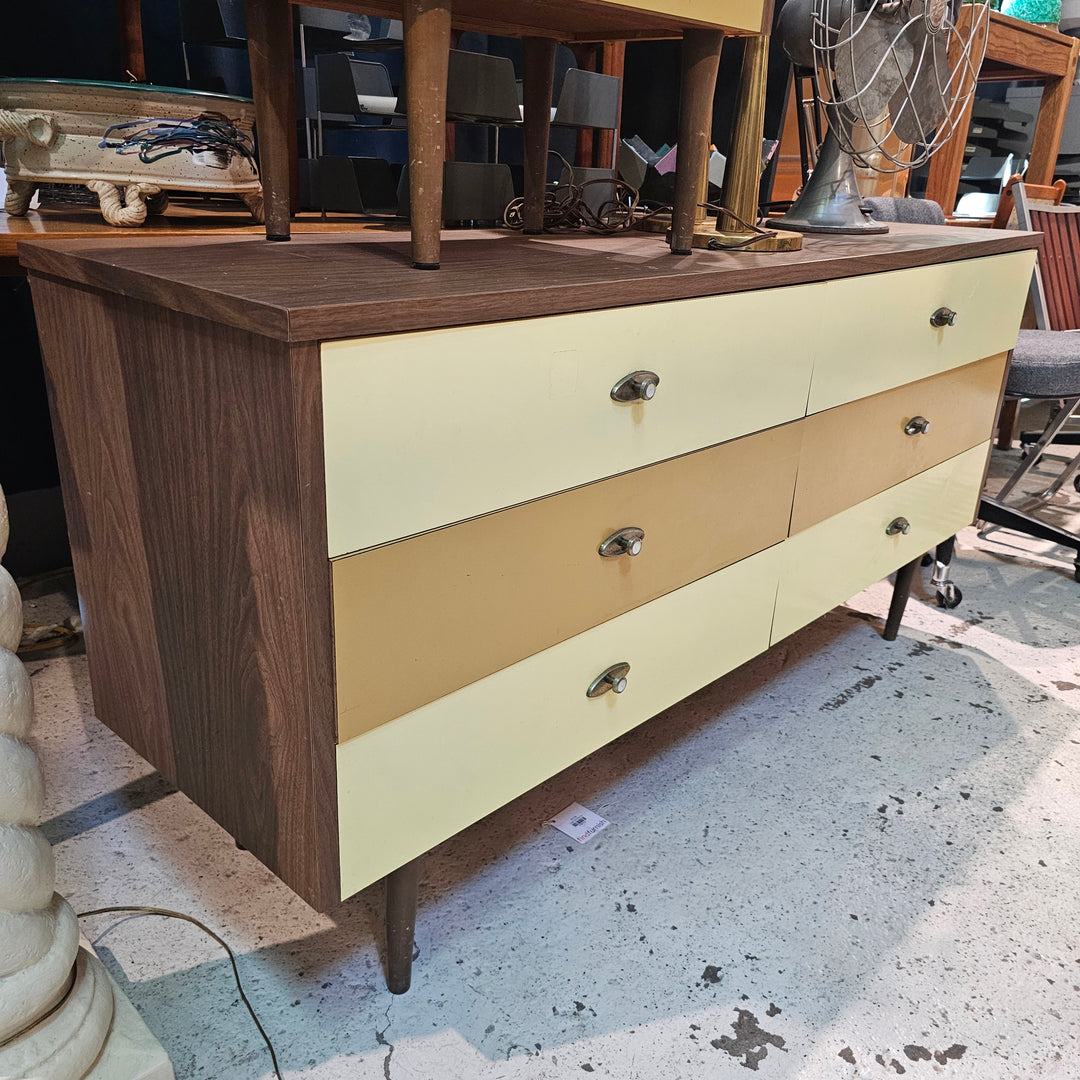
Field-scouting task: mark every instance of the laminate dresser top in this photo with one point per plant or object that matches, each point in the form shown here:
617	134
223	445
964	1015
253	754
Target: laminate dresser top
318	287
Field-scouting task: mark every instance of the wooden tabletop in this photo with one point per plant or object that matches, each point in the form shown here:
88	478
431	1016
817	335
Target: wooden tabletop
192	218
350	285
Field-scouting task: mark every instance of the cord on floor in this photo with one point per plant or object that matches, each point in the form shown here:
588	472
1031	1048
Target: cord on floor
206	930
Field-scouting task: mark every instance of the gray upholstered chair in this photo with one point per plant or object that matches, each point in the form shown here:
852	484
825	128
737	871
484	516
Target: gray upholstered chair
913	211
1046	364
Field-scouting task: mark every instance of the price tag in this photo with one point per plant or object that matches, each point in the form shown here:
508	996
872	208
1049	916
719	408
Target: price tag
578	823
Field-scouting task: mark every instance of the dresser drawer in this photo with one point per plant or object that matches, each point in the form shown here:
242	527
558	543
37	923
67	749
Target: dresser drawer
420	618
425	429
434	771
856	450
879	332
831	561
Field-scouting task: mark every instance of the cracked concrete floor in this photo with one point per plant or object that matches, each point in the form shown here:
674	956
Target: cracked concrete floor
848	858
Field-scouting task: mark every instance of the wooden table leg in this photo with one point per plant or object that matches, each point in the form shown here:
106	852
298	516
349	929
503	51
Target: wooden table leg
901	591
401	893
427	57
1048	125
538	77
700	61
1008	423
270	51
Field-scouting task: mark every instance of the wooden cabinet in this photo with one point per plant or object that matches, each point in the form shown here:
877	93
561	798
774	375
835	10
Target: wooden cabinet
337	525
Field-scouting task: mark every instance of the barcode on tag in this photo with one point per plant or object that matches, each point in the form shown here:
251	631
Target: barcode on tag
578	823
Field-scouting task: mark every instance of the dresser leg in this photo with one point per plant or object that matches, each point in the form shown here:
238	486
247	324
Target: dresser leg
401	892
700	61
427	56
901	591
538	71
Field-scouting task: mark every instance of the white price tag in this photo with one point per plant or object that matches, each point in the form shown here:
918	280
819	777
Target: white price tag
578	823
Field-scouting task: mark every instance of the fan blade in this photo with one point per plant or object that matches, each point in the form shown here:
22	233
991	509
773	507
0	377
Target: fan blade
870	61
918	107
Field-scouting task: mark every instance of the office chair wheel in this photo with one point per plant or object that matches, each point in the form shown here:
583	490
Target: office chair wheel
927	560
1076	568
1076	482
949	595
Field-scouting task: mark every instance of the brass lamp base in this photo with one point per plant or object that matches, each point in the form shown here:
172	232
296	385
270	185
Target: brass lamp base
705	231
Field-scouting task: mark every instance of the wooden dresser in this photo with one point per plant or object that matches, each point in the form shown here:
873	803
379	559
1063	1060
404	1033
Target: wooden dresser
337	525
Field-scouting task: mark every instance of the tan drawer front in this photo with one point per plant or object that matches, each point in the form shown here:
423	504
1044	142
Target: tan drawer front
856	450
831	561
446	765
426	429
417	619
879	332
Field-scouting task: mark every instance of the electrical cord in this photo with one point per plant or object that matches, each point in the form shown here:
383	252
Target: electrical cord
138	910
155	137
568	209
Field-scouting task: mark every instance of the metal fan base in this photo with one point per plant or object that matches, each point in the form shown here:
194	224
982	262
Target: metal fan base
870	228
830	203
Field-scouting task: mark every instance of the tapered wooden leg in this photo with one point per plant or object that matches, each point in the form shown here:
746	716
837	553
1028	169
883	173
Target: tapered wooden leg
538	77
270	50
700	60
901	591
401	893
427	56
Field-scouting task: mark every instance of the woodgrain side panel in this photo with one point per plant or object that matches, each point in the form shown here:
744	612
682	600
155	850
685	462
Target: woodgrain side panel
181	444
856	450
829	562
427	429
419	619
880	325
502	735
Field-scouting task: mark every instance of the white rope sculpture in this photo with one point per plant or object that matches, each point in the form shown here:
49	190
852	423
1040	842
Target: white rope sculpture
56	1000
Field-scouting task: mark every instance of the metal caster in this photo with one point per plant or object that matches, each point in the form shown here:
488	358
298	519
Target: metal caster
949	596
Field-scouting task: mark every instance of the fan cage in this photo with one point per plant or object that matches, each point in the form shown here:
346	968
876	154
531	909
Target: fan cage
873	141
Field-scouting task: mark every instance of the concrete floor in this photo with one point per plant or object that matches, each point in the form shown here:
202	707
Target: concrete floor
848	858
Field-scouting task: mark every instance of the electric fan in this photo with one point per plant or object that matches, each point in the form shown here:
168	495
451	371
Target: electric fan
893	78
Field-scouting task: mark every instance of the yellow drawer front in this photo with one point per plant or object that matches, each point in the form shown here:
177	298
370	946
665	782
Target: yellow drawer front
833	560
418	619
879	332
436	770
856	450
426	429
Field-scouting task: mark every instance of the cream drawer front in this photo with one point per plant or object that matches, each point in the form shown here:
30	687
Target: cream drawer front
833	560
856	450
411	783
878	326
425	429
418	619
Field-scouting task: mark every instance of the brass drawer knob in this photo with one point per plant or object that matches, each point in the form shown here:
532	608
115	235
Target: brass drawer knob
626	541
637	386
917	425
898	526
613	679
943	317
